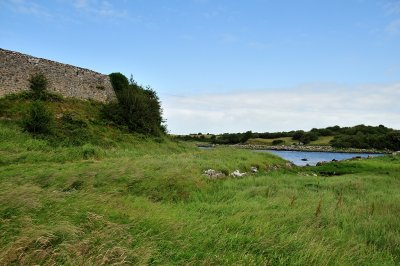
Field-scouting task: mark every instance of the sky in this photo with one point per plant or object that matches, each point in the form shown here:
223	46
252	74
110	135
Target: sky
230	66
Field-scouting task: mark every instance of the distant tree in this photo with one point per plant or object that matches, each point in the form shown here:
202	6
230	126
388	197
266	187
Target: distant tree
298	135
246	136
277	142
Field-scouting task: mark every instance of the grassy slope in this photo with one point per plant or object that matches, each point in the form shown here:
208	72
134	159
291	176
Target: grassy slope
142	201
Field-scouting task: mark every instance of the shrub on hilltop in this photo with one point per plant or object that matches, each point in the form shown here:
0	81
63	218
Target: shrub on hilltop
38	84
138	108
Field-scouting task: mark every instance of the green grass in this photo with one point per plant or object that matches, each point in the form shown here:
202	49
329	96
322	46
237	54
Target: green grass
260	141
321	141
145	201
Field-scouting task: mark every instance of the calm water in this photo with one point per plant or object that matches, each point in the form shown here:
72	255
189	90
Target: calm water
314	157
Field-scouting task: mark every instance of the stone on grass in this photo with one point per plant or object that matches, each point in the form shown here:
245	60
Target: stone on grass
254	169
237	173
213	174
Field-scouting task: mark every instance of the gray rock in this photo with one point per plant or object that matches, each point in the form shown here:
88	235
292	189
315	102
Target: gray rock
237	173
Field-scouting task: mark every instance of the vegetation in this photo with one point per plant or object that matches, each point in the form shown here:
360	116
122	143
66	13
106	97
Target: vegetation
38	84
361	136
38	120
92	194
140	201
138	108
367	137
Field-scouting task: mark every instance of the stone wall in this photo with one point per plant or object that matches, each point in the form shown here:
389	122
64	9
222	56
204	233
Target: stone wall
67	80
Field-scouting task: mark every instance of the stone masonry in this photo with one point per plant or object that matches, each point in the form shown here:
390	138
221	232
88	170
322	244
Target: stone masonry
67	80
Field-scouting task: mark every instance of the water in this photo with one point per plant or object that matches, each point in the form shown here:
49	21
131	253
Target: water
205	147
312	158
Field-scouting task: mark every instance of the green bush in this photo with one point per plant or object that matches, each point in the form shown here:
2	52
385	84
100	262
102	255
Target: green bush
277	142
139	109
38	119
119	82
38	84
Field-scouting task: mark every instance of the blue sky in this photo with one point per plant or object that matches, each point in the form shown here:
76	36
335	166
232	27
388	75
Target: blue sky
209	60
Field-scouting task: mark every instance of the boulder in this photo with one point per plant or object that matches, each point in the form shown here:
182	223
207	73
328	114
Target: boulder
237	173
212	174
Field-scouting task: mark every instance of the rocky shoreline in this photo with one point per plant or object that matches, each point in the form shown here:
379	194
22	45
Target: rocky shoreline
309	148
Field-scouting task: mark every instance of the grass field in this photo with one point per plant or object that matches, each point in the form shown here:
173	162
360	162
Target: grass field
142	201
322	141
260	141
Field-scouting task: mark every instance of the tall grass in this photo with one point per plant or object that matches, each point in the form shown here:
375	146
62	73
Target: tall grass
145	201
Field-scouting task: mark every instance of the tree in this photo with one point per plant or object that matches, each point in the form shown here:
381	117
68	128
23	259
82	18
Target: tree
38	84
38	119
246	136
138	108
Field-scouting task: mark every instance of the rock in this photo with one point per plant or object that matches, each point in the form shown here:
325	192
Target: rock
290	165
213	174
237	173
334	160
254	169
321	163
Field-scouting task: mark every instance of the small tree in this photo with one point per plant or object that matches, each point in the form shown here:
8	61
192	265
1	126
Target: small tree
138	108
246	136
38	120
38	84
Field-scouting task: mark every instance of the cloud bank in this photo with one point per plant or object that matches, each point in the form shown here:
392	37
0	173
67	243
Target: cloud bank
282	110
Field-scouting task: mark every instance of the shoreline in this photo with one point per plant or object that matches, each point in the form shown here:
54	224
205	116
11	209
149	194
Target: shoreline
309	149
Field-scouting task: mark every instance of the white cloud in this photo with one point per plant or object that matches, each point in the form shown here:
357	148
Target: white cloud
277	110
26	7
99	8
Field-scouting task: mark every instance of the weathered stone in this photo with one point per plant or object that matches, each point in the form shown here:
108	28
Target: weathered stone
67	80
237	173
254	169
213	174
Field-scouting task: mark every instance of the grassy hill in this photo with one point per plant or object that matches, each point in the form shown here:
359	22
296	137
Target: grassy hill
116	198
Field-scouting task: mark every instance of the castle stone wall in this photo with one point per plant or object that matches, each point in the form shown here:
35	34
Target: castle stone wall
67	80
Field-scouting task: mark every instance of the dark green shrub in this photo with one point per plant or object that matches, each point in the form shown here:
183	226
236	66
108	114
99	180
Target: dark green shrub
139	109
38	119
38	84
277	142
119	82
298	135
246	136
